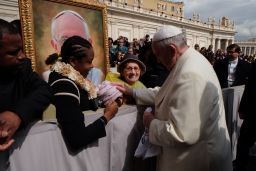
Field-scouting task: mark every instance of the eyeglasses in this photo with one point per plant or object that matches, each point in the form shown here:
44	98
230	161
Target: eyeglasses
136	69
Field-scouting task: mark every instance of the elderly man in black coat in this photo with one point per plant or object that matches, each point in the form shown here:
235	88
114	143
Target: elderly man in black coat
23	94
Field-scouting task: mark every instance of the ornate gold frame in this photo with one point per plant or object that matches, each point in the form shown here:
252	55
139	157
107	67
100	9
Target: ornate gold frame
26	16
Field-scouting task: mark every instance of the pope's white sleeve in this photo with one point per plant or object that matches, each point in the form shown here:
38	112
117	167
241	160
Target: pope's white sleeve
145	96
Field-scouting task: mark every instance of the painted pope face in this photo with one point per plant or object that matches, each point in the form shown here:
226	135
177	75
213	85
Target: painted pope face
65	26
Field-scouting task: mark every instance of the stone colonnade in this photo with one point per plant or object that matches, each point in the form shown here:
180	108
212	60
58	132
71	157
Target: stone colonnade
248	49
220	43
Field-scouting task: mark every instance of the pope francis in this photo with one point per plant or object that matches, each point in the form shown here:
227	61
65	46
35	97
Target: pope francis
189	120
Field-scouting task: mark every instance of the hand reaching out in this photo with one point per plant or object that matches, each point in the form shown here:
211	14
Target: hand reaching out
110	110
123	88
9	123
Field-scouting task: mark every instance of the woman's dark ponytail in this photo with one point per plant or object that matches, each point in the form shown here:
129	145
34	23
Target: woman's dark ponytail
51	59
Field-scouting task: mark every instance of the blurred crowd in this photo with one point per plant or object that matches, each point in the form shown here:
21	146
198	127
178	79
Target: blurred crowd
121	46
220	54
155	73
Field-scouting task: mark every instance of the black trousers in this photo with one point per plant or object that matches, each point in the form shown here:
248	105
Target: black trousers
246	140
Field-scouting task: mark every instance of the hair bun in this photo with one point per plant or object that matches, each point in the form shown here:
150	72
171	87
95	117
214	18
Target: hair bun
51	59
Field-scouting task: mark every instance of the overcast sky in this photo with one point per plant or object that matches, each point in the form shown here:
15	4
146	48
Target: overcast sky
243	12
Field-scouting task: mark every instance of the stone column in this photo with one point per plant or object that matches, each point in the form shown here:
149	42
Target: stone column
114	31
253	50
246	50
109	29
141	32
229	41
217	44
136	32
242	49
226	44
213	44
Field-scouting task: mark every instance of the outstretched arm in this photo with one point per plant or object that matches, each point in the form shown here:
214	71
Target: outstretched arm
142	96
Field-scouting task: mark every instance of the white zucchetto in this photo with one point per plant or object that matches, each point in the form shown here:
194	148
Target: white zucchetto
166	32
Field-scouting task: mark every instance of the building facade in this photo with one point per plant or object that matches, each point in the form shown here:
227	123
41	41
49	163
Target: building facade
133	21
248	47
164	6
9	9
136	18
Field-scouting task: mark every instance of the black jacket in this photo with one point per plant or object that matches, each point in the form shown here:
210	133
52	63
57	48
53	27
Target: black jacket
69	113
241	73
248	102
24	93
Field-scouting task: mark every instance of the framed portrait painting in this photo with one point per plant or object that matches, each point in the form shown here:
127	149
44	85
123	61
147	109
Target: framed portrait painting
45	28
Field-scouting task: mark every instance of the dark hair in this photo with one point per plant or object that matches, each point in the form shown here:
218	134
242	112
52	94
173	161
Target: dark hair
68	49
51	59
234	46
73	46
6	28
17	24
110	38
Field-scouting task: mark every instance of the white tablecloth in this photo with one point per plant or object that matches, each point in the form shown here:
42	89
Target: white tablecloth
41	148
232	97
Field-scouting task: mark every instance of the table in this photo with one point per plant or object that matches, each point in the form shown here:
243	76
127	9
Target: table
41	147
232	97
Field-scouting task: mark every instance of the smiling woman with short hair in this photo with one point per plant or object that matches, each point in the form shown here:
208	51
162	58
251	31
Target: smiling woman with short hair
130	69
